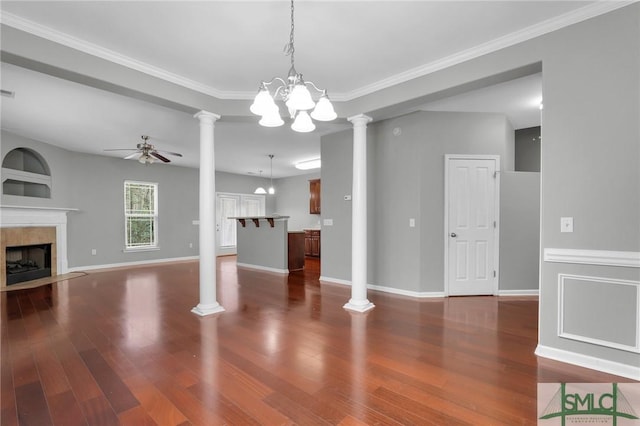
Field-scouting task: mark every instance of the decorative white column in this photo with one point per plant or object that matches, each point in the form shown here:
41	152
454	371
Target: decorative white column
208	304
359	301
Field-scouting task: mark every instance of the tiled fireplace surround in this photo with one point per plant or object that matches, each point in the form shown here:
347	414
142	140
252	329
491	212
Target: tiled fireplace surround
22	225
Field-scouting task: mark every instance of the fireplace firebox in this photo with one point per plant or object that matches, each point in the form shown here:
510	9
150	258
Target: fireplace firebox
26	263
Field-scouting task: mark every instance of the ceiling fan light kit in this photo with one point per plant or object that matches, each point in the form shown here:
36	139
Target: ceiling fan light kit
295	93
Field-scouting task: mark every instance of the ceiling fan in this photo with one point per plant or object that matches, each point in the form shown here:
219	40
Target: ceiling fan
148	153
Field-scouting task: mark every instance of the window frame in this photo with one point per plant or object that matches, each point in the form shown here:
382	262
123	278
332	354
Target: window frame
153	214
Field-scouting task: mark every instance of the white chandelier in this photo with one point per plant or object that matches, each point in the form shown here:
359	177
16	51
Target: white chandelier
295	94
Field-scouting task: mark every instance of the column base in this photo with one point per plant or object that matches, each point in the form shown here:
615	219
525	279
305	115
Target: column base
204	310
359	305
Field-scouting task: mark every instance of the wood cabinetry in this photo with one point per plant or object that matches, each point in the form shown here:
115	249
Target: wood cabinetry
314	196
312	242
296	250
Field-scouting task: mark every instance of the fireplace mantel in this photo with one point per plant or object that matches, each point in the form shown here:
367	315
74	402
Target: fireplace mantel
29	216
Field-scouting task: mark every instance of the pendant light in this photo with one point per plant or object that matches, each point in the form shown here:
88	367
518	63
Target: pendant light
272	190
260	189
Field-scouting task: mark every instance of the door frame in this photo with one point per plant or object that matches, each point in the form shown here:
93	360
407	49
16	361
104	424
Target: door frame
241	212
496	230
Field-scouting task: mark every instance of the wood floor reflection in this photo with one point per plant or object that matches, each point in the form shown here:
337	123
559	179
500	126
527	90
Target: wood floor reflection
122	347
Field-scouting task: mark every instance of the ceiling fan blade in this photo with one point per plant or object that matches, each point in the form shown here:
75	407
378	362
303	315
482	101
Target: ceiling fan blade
132	155
160	157
121	149
177	154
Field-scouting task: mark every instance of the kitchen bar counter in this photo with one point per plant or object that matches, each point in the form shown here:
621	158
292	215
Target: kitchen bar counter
265	243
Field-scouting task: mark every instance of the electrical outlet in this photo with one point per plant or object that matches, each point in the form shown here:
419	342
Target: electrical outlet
566	224
190	245
412	222
94	252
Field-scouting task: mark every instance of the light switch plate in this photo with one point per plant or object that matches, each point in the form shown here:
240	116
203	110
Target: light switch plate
566	224
347	197
327	222
412	223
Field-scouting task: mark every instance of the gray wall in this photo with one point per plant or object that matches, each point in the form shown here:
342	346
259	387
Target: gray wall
293	200
337	156
527	149
406	180
263	246
591	164
94	185
590	169
519	230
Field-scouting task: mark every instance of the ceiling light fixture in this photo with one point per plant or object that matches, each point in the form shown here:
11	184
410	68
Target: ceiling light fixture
296	96
145	158
308	165
260	189
271	189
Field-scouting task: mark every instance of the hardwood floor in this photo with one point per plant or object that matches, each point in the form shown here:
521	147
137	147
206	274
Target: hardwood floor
122	347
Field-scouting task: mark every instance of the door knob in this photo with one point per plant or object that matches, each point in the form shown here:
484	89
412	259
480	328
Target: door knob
453	235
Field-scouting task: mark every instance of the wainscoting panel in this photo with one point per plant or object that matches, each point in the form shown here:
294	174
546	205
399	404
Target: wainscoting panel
601	311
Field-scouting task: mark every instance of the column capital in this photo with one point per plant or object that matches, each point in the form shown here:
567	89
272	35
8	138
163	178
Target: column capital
206	116
360	119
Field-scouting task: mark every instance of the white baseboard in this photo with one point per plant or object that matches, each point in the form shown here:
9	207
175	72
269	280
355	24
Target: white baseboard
410	293
263	268
532	292
586	361
384	289
335	280
129	264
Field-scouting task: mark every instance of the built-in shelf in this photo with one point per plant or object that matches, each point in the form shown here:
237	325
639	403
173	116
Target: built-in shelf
25	173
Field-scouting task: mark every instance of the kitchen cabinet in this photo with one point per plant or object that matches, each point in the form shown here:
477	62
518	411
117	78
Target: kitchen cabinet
314	196
296	251
312	242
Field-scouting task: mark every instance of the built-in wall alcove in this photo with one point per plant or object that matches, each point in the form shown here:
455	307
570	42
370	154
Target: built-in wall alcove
26	173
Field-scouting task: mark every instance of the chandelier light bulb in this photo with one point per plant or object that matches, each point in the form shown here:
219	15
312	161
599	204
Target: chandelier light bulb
300	98
324	110
303	123
271	118
262	103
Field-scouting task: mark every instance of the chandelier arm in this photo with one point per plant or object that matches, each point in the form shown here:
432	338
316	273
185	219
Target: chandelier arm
273	80
283	88
322	91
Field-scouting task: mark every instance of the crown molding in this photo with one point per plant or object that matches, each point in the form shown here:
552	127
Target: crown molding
533	31
550	25
93	49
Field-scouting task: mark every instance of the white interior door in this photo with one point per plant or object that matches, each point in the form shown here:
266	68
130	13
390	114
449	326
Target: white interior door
471	225
227	205
234	205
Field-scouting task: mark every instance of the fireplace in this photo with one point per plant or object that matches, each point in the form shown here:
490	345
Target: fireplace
26	263
27	253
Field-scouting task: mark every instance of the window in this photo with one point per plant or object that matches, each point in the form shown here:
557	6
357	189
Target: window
141	215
